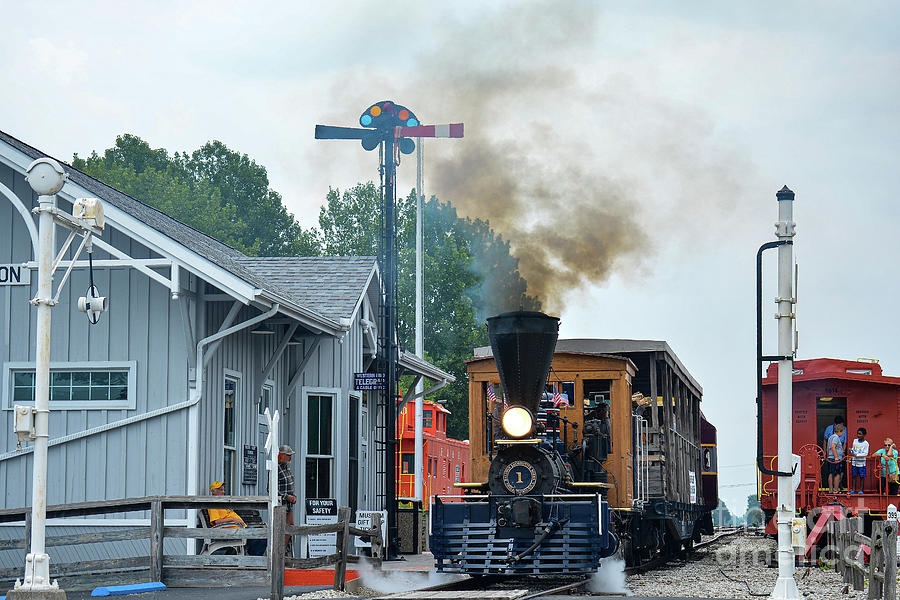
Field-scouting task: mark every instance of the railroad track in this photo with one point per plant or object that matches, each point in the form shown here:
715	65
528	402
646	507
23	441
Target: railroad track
491	587
498	587
658	562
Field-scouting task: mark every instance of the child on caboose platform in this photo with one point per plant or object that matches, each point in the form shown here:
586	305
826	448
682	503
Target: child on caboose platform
859	449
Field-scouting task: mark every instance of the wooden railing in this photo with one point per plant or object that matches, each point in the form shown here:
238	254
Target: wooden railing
881	571
185	570
344	530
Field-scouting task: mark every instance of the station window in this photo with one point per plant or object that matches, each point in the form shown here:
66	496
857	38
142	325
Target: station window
265	399
319	446
75	386
232	389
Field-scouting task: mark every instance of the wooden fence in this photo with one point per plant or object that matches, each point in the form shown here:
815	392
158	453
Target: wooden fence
881	572
185	570
344	530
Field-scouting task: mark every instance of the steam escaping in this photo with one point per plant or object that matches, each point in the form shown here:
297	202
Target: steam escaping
582	168
392	582
610	578
583	164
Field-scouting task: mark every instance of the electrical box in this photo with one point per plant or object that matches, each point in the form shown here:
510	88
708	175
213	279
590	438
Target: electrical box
90	210
24	423
798	535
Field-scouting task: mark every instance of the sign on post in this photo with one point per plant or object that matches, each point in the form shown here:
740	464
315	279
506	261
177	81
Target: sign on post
368	381
364	521
250	471
321	511
15	275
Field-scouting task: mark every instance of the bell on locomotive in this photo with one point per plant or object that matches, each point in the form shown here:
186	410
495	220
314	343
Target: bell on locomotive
531	521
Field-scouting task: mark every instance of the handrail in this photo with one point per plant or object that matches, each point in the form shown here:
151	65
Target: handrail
275	531
142	503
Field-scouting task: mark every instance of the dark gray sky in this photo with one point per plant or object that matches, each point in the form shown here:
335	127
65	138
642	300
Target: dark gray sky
631	153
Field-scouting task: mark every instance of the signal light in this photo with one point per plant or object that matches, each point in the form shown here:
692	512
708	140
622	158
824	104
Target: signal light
375	110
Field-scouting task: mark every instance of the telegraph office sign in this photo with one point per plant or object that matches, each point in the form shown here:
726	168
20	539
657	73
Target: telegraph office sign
15	275
368	381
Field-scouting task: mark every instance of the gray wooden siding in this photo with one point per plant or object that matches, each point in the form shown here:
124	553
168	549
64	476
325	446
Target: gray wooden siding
245	353
143	325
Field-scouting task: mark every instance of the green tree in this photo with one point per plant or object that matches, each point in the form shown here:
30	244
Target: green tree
468	274
215	190
754	516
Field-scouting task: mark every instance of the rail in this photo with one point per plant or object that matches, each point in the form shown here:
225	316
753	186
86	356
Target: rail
187	570
850	543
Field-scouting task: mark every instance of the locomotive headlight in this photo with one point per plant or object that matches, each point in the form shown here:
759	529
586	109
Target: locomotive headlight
517	421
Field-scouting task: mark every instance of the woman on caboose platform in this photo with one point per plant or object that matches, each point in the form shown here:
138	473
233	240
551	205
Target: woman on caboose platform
889	471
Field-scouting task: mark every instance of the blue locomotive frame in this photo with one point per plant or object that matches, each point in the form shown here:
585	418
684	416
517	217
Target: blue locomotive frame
571	536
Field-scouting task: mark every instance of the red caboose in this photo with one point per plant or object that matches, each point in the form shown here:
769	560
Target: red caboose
446	460
825	388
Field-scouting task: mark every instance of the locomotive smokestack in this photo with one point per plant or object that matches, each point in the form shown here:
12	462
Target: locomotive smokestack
523	343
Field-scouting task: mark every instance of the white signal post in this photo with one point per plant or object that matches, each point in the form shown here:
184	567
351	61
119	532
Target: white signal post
46	177
418	470
785	586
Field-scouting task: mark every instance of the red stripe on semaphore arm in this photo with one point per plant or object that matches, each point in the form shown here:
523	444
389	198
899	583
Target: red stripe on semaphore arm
453	130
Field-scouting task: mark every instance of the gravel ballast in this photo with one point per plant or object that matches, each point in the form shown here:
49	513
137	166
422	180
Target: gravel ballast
741	558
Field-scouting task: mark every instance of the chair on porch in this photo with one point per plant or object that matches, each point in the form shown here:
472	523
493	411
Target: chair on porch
210	546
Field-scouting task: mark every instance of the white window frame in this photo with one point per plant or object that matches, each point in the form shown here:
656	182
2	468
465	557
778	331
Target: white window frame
270	384
238	377
335	393
129	404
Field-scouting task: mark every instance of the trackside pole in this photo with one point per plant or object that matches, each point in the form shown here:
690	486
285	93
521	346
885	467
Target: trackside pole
785	586
419	472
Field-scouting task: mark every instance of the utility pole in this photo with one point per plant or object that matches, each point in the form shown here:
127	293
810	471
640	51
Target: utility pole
46	177
389	126
419	470
785	585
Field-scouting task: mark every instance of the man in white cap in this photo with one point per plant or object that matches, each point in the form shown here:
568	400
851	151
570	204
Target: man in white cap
286	487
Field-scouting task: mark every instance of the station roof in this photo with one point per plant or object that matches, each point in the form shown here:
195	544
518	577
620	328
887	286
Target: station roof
321	291
330	285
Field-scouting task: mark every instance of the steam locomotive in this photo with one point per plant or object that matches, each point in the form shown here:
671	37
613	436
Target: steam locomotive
558	489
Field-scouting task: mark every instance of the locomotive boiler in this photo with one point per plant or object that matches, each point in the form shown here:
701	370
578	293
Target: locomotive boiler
543	511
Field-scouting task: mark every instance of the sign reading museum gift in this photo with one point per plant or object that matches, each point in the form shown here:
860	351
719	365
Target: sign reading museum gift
15	275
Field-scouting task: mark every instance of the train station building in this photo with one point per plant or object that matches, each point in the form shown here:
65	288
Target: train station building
167	392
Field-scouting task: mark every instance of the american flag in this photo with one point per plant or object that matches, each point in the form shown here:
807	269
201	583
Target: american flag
491	393
559	399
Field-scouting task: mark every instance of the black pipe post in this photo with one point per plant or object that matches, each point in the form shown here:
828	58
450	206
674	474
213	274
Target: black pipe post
760	460
390	319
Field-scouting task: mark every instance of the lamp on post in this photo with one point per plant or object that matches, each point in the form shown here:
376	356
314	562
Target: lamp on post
46	177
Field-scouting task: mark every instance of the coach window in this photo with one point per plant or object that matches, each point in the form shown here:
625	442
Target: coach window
426	418
597	394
